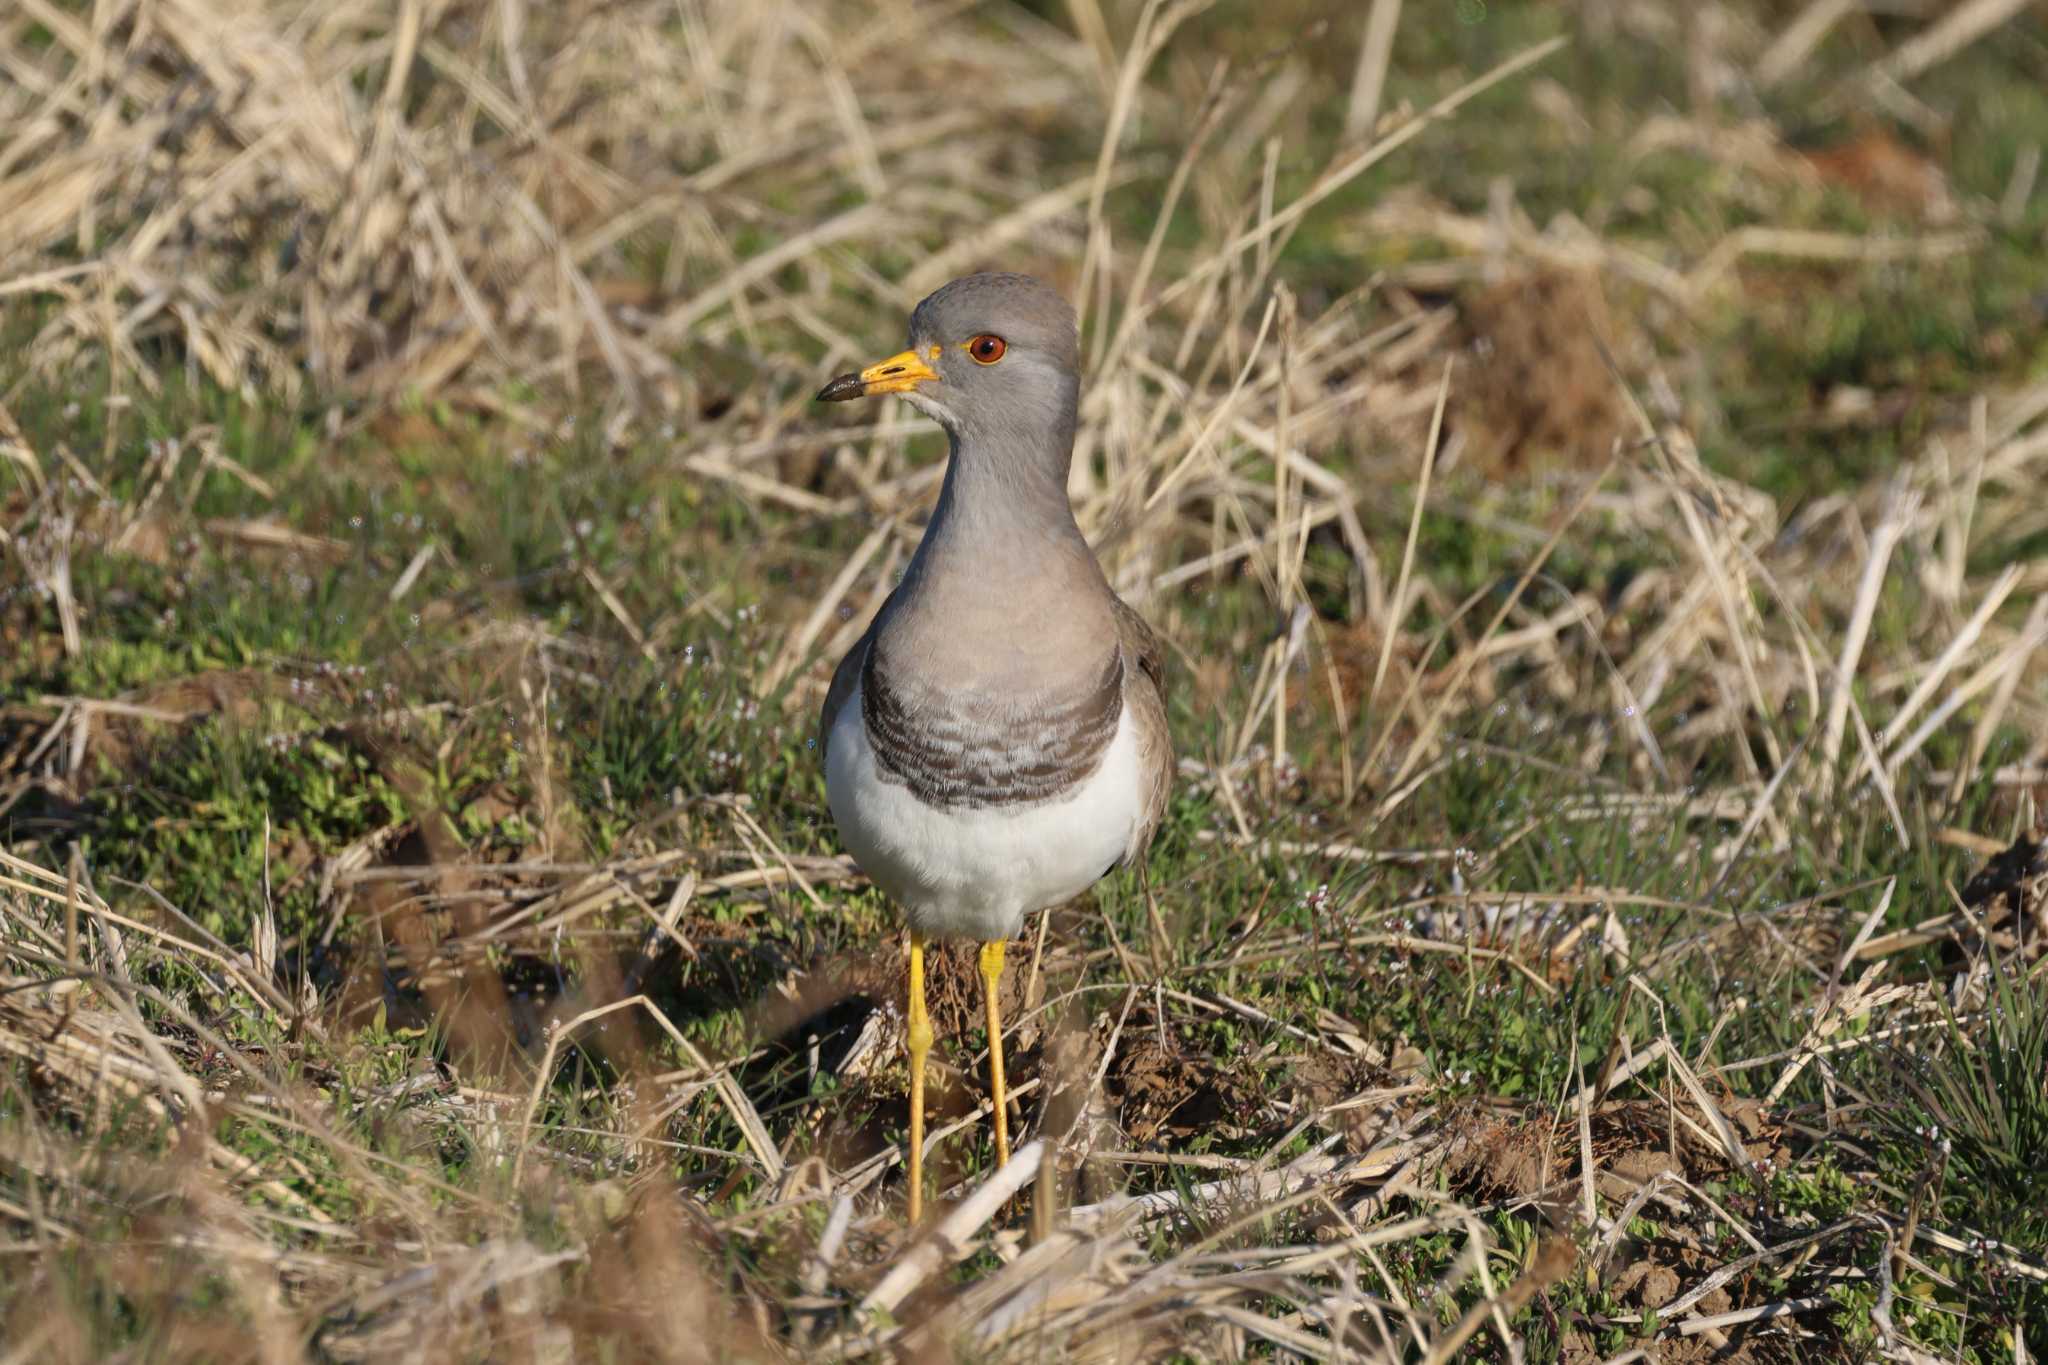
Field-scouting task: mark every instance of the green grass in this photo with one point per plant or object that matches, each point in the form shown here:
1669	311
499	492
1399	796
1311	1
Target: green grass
502	726
189	812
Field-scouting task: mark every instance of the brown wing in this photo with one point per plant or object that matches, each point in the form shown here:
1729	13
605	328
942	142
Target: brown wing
1145	704
845	679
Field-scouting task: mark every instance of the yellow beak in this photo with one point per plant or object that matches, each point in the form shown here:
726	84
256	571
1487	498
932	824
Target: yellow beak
897	374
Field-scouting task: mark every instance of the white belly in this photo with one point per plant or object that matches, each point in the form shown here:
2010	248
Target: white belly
977	873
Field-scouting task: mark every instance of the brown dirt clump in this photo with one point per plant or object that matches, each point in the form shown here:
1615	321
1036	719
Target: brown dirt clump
880	979
237	694
952	983
1167	1091
1322	1080
1498	1156
1633	1142
1539	392
1646	1283
1884	175
1354	658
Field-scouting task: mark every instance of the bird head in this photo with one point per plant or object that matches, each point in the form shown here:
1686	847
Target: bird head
992	358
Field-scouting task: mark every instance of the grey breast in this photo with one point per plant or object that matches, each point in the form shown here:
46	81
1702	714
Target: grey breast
966	752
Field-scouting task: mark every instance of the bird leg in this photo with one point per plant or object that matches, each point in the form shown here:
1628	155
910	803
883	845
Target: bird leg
919	1036
991	977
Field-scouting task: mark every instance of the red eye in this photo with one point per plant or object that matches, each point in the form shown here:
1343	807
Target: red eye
987	349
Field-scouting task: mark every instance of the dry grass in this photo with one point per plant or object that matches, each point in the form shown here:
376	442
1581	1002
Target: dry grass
667	220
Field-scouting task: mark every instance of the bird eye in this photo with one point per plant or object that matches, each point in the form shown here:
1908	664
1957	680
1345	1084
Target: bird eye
987	348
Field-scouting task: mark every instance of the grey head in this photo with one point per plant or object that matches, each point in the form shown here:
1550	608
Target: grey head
993	359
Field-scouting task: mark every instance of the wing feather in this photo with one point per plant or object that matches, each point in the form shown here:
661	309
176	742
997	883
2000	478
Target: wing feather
846	678
1145	705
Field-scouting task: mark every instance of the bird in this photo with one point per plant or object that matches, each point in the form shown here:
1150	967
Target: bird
996	741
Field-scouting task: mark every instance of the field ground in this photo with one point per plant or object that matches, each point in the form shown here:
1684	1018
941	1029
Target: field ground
1585	459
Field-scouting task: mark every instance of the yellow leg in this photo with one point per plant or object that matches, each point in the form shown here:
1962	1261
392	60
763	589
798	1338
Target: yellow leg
991	977
920	1039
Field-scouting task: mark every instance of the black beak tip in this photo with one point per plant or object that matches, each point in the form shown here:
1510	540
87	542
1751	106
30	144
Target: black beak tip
846	386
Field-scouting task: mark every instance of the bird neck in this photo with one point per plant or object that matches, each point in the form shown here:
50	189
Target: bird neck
1004	594
1004	501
